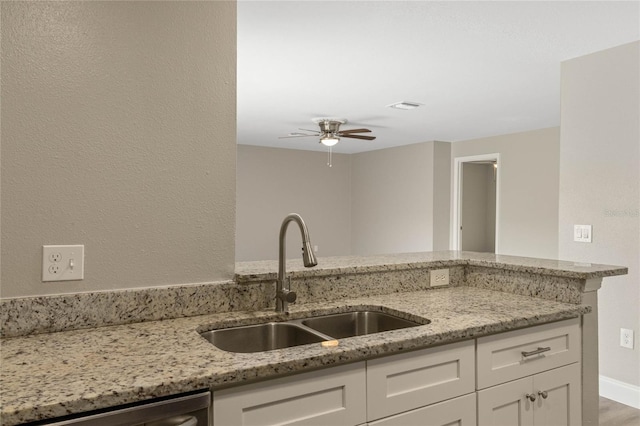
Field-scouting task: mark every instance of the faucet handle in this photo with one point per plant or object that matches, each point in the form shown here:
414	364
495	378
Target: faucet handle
290	296
287	296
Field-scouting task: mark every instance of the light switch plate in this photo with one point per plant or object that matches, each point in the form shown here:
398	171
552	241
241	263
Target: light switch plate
63	263
582	233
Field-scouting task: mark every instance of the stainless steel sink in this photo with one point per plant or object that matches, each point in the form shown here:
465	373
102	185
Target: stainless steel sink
357	323
261	337
279	335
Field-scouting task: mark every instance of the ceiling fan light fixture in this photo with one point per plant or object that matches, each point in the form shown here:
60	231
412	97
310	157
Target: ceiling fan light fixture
329	140
405	105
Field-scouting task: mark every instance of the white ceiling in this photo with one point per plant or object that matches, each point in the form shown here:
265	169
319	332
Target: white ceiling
480	68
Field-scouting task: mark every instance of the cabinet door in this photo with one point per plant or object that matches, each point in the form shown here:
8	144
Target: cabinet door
562	405
335	396
506	404
460	411
403	382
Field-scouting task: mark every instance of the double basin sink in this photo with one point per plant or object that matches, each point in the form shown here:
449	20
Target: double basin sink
279	335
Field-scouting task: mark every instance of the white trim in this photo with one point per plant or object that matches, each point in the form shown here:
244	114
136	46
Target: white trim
621	392
454	236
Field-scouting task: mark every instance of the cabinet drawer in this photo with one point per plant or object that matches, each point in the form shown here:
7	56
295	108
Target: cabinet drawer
411	380
520	353
460	411
335	396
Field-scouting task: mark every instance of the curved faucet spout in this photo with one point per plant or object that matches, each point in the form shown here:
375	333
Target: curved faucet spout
284	295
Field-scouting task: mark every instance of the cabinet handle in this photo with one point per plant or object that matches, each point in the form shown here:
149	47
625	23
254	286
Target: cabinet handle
543	394
536	352
531	397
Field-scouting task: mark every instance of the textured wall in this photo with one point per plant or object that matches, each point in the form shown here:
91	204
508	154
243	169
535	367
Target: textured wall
600	185
118	132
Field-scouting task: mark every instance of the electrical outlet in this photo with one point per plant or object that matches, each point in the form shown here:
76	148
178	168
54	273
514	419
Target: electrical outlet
626	338
62	263
55	256
439	277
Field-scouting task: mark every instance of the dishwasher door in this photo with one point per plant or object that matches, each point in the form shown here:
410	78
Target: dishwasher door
187	410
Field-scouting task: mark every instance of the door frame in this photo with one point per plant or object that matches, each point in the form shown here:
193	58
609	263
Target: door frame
456	199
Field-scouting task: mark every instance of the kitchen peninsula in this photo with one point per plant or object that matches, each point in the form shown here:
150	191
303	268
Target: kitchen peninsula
70	354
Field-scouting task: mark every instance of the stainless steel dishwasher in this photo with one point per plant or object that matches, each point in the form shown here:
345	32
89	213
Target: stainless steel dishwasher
185	410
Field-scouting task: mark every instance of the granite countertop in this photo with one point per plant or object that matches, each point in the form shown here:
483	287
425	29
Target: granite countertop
50	375
267	269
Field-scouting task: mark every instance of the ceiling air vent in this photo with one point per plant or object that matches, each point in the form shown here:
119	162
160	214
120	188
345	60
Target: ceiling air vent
405	105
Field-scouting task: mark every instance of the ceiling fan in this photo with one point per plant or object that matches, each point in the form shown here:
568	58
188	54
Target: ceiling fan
330	132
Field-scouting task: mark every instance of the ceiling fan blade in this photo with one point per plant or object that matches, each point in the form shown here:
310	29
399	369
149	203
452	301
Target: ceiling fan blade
318	133
295	135
355	131
368	138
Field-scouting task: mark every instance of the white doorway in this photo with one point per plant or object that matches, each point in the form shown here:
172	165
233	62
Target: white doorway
476	200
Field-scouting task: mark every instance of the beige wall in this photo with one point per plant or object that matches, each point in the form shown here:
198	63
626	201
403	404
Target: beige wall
118	132
528	210
392	200
441	195
374	202
397	199
273	182
600	186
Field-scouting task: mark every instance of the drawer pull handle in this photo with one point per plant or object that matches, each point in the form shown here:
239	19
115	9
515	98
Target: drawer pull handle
543	394
531	397
536	352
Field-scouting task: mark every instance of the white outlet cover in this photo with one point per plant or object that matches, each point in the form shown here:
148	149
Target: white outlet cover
62	263
626	338
438	277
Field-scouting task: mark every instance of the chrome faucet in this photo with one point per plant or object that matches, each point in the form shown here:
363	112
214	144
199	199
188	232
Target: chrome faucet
284	295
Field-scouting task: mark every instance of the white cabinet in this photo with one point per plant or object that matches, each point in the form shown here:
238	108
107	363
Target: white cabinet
530	376
525	377
506	404
410	380
335	396
562	405
459	411
356	393
509	356
556	394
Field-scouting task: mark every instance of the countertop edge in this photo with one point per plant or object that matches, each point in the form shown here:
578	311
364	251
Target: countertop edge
295	269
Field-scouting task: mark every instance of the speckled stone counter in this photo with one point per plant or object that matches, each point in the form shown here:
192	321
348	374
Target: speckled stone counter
67	354
50	375
263	270
336	277
333	279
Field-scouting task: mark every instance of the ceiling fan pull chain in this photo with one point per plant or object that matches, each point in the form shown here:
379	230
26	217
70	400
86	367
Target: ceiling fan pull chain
329	160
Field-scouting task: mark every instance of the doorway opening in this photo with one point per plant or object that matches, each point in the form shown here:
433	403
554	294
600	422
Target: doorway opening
476	201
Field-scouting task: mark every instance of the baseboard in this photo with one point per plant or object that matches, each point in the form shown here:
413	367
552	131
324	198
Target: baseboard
621	392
